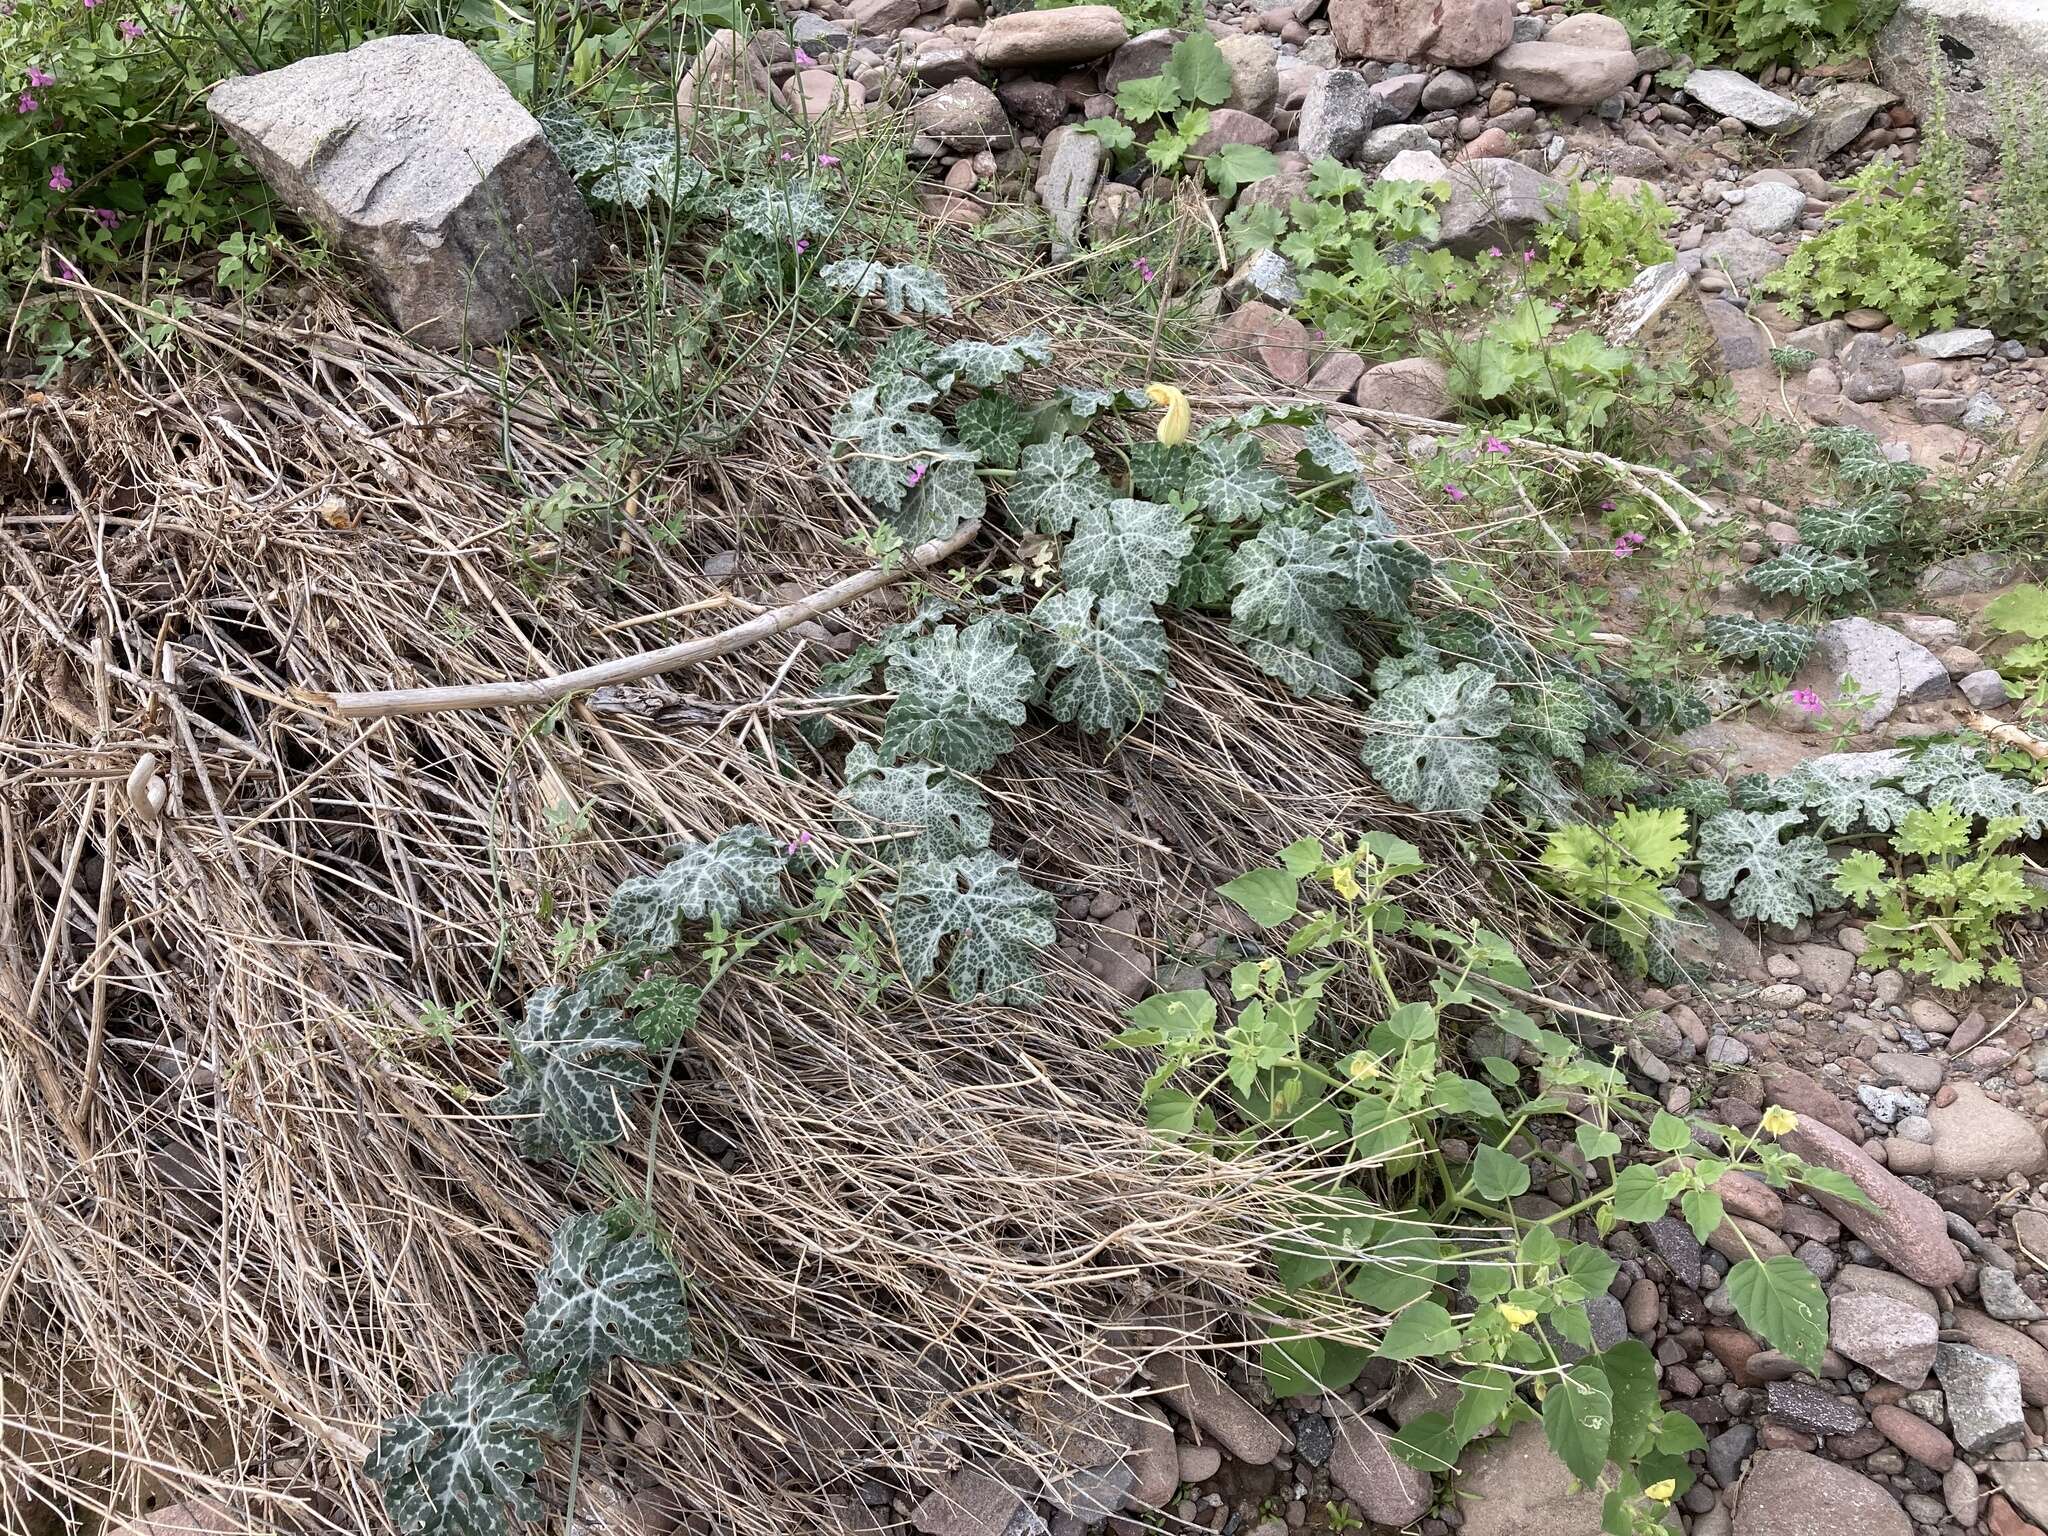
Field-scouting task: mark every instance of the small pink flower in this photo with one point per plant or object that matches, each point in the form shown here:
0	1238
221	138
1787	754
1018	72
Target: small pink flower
1144	267
1628	544
59	182
1455	492
801	843
786	156
1607	506
828	161
804	60
68	272
917	473
130	30
1494	251
27	104
1807	700
802	246
1528	256
1494	445
40	77
109	219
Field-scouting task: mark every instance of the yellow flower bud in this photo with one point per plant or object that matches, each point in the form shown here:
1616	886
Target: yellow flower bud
1662	1492
1363	1067
1778	1120
1517	1317
1179	417
1345	881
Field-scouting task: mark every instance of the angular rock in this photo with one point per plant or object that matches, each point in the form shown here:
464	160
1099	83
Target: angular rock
1269	276
1792	1493
1073	34
1891	1337
965	116
191	1517
1198	1394
1977	1138
1903	1227
1972	1327
1497	202
1985	47
1514	1486
1877	662
2004	1298
968	1502
1278	342
1649	296
1399	94
1561	74
1421	165
1729	94
1943	346
1729	1452
1870	373
1336	115
1981	571
1229	126
2026	1484
1382	144
1067	170
1812	1411
1411	386
1841	111
1456	32
1770	208
1254	73
1983	1396
1385	1488
1747	259
1914	1435
411	155
1448	88
1736	337
1985	689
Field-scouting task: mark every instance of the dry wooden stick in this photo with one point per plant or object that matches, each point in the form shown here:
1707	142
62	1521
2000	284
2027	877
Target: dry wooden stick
629	669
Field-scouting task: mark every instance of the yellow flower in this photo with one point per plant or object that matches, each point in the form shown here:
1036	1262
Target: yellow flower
1345	880
1518	1317
1179	417
1662	1492
1778	1120
1363	1067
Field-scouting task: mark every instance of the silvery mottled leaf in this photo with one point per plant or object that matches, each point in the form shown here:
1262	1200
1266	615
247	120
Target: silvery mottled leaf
1954	775
985	364
1379	570
1289	582
1316	662
883	434
948	494
1776	645
1227	477
1127	546
604	1294
463	1463
993	428
784	213
933	812
1840	801
1105	657
1855	527
995	919
1432	740
574	1074
1056	483
1744	859
1326	454
1805	572
1086	404
898	292
1553	717
737	872
958	693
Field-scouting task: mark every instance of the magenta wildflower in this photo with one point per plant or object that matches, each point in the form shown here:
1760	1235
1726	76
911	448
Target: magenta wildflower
1807	700
802	246
801	843
1628	544
1144	267
109	218
786	156
1528	256
59	182
40	77
804	60
1494	445
828	161
27	104
917	473
130	30
1494	251
68	272
1607	506
1455	492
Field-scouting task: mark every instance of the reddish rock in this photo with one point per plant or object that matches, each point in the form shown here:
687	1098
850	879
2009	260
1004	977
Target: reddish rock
1227	125
1808	1099
1914	1435
1455	32
1385	1488
2001	1519
1789	1493
1733	1348
1336	376
1278	342
1751	1198
1903	1227
1490	145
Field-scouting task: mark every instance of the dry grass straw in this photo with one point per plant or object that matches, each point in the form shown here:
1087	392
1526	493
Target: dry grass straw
250	1202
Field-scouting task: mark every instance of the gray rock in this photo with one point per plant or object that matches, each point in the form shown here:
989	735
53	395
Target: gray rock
1922	1074
1985	47
1811	1410
1881	1333
1747	259
1870	373
1730	94
1770	209
2026	1484
1983	1396
411	155
1265	275
1672	1241
1880	663
1254	73
1382	144
1888	1106
1841	111
1336	115
1514	1486
1400	94
1421	165
1736	336
1729	1452
1314	1439
1447	89
1034	39
1650	295
1984	689
1943	346
1791	1493
1977	1138
968	1502
1385	1488
1565	74
1981	413
965	116
1497	202
1983	571
1999	1291
1067	170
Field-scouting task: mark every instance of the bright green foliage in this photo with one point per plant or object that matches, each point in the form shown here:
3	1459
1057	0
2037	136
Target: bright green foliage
1854	527
1431	742
574	1073
1105	656
1227	478
2021	611
1783	1301
463	1463
1618	872
1056	483
1772	643
737	872
1809	575
1127	546
604	1293
958	693
1604	240
1515	376
939	812
2009	279
1743	859
780	213
1751	34
883	433
899	292
1944	920
985	364
1175	103
1895	246
996	920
